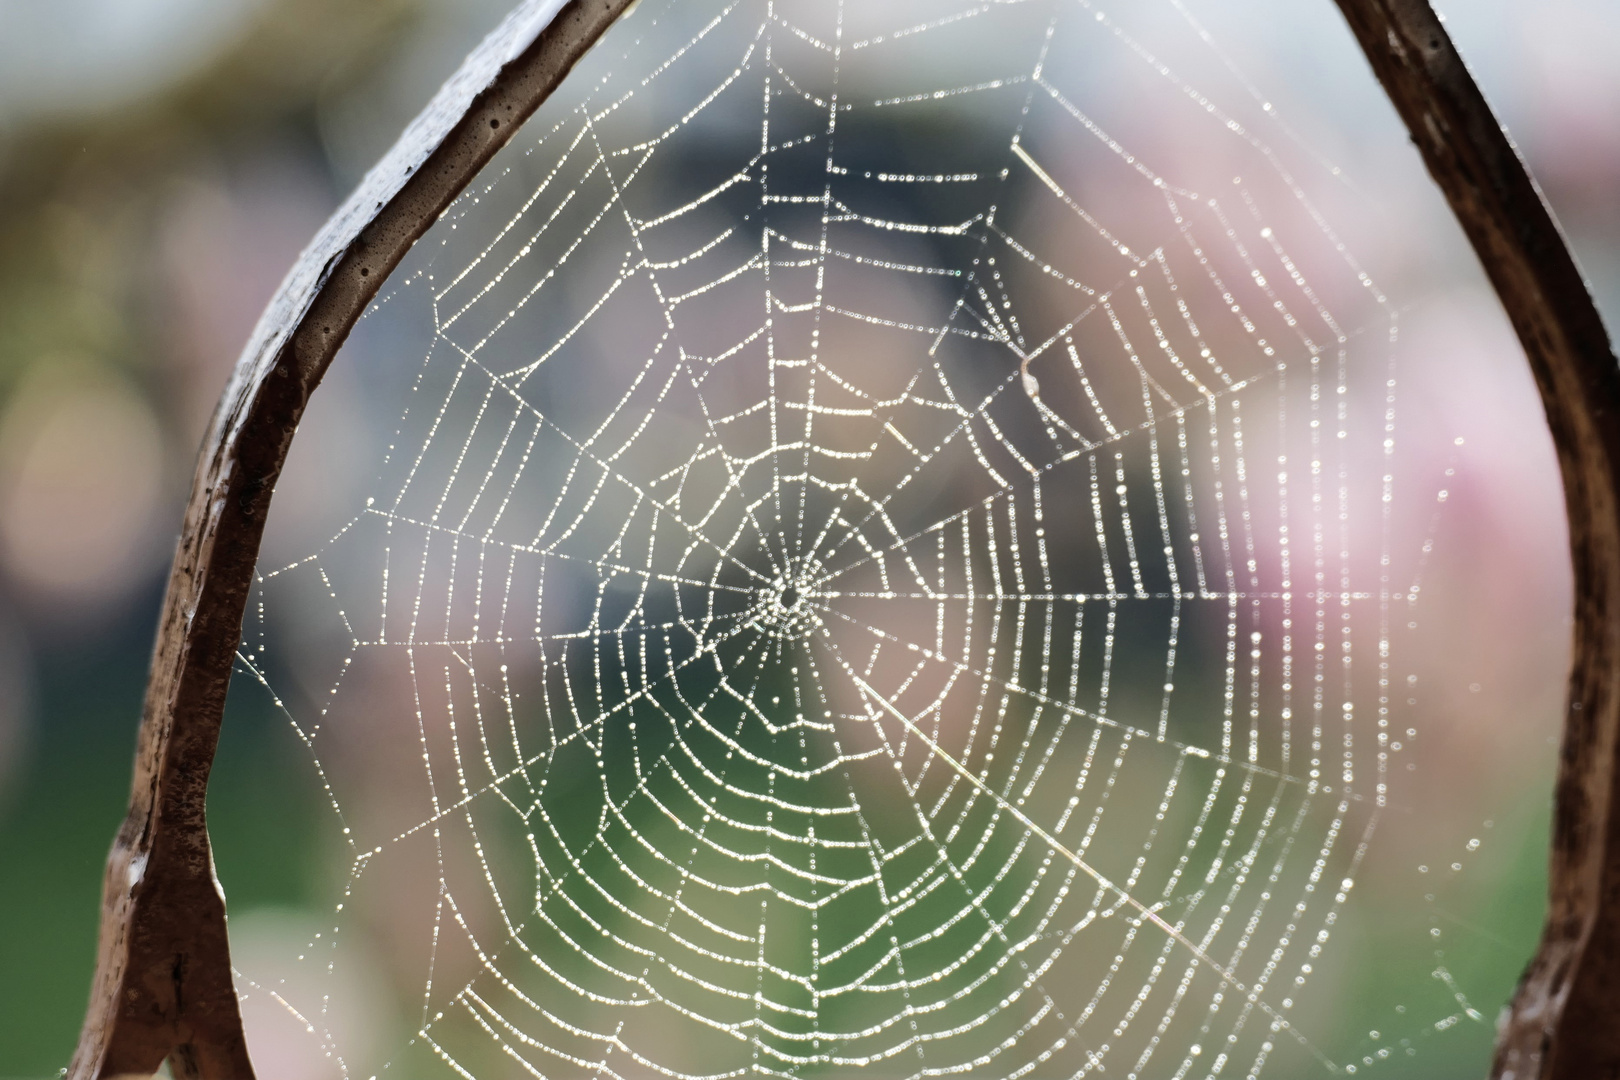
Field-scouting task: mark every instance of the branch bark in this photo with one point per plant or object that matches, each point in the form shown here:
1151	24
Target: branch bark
163	985
1562	1021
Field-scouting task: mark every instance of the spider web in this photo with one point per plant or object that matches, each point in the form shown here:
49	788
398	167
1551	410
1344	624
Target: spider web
881	561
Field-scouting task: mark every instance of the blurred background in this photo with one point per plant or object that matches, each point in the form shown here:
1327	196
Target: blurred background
162	162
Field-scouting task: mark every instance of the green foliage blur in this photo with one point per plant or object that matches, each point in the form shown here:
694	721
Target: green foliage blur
145	217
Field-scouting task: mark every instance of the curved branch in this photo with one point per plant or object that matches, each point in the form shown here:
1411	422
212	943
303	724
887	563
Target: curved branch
1562	1022
163	986
163	983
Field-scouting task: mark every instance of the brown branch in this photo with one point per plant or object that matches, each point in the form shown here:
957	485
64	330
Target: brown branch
163	986
1563	1020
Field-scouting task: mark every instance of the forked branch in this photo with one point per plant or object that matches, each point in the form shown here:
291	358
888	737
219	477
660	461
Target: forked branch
1562	1023
163	986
